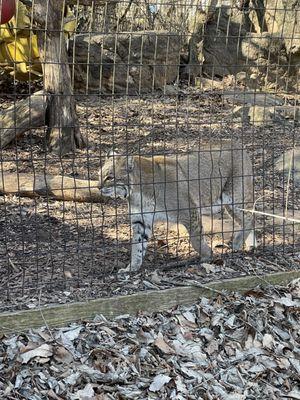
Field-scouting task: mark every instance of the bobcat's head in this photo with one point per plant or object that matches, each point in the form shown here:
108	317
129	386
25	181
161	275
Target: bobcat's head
114	175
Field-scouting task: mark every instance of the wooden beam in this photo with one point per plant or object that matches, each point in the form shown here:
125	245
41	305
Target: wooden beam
57	187
22	116
148	301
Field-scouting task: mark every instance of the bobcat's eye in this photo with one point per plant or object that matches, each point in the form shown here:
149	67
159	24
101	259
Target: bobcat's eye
108	178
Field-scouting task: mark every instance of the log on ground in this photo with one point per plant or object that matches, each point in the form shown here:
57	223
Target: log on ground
22	116
57	187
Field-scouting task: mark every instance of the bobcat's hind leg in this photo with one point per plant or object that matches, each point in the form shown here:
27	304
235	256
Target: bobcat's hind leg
246	234
194	227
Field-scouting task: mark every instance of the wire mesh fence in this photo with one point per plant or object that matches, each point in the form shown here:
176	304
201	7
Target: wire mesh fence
171	125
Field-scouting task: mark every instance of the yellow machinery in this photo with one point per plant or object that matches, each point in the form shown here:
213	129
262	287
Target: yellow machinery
19	55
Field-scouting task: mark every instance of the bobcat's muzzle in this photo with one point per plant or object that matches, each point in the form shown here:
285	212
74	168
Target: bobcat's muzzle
118	191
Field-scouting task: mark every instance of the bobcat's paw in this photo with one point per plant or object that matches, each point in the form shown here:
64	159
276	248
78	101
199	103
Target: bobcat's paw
124	270
130	268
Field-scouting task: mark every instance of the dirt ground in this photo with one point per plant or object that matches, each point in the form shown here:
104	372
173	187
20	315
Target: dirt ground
55	252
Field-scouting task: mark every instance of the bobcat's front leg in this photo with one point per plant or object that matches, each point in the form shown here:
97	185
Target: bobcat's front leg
141	233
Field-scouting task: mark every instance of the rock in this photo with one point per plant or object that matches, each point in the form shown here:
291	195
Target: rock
221	42
241	112
261	47
170	90
125	63
253	98
259	115
289	112
284	19
206	84
287	159
266	59
263	115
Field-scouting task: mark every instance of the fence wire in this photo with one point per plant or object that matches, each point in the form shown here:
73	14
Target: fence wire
126	125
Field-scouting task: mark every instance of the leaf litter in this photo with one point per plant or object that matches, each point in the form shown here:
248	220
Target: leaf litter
231	347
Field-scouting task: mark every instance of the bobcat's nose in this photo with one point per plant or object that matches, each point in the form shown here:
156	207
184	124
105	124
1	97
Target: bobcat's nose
99	185
107	191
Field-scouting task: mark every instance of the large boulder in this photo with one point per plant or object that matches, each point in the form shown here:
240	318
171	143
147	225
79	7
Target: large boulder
260	115
222	35
123	63
263	41
264	57
283	17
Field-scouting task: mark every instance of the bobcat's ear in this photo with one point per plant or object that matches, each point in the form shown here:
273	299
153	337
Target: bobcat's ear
111	153
130	163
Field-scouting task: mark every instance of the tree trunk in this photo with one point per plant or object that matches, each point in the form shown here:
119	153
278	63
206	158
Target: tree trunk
63	129
22	116
57	187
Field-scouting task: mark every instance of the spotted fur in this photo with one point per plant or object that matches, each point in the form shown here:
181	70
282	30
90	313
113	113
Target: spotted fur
180	189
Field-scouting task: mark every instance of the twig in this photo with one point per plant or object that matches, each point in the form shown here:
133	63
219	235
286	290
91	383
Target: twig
266	261
200	285
10	278
284	218
261	278
13	265
178	264
121	19
43	318
270	215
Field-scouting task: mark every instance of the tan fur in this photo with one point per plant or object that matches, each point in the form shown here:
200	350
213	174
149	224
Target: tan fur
181	189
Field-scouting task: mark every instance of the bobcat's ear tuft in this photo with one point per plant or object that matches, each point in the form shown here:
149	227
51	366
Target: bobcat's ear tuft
111	153
130	163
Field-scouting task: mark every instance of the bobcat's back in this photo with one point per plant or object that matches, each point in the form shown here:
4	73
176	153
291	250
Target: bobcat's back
197	179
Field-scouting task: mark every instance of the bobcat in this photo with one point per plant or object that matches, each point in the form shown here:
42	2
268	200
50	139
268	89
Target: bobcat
180	189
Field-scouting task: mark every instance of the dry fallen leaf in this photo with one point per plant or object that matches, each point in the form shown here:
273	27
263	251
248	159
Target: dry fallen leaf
158	382
268	341
53	396
162	345
209	268
61	354
294	394
84	394
43	351
226	347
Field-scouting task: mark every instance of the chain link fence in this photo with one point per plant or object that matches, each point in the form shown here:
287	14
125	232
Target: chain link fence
182	106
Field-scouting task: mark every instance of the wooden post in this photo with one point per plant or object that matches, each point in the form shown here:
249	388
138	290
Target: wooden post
63	128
